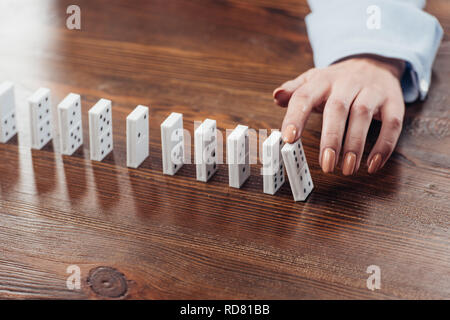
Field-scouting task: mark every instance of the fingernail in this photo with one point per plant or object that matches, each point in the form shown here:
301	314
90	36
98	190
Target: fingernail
349	164
328	160
281	96
375	163
289	133
277	93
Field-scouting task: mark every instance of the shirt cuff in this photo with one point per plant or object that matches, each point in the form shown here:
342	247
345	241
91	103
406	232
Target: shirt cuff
406	33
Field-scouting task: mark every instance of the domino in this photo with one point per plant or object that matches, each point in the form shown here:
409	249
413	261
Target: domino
238	156
172	142
297	170
100	130
70	124
137	136
8	128
273	165
40	118
205	143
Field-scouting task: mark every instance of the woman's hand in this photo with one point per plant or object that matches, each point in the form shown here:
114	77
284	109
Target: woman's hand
356	89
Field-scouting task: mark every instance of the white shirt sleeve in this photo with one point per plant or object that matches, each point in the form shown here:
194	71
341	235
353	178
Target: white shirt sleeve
390	28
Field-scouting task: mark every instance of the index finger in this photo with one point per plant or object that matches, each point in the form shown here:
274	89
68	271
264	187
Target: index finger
303	100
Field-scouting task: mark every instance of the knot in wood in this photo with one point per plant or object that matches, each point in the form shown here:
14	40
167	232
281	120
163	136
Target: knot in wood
107	282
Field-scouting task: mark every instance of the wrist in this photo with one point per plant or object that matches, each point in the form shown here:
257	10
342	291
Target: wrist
394	66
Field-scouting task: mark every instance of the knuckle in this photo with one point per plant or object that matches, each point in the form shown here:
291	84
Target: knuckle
377	90
351	79
310	73
395	123
362	110
301	94
339	105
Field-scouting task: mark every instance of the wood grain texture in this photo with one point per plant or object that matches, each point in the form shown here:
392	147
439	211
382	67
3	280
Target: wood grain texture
174	237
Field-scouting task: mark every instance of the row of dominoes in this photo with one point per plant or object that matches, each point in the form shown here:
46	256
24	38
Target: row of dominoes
70	124
276	155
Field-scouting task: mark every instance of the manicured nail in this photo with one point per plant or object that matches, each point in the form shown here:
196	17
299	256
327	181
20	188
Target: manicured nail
375	163
349	164
289	133
328	160
277	93
281	97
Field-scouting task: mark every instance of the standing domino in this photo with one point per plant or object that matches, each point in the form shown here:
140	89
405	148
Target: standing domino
205	141
40	118
238	156
8	128
273	166
297	170
137	136
70	124
172	142
100	130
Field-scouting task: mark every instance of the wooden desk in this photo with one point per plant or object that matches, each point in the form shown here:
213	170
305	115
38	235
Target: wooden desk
174	237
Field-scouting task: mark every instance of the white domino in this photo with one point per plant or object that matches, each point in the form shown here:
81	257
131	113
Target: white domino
273	165
40	118
100	130
137	136
205	140
172	142
238	156
70	124
297	170
8	128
